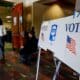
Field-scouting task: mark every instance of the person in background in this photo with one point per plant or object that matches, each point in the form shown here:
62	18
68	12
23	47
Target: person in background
2	40
29	48
33	30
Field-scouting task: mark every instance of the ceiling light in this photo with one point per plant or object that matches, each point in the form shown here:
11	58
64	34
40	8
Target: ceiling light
8	17
29	2
9	21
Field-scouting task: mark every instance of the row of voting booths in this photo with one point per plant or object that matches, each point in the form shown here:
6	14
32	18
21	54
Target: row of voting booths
62	37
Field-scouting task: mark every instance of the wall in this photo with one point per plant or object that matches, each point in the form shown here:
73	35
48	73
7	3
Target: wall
27	17
48	12
38	10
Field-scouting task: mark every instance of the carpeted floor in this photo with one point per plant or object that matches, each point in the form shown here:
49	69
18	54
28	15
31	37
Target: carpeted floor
13	69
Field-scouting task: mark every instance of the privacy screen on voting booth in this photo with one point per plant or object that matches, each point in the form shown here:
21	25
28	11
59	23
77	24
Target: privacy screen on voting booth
62	37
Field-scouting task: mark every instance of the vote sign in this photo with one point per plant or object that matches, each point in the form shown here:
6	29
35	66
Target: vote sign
66	46
43	35
62	37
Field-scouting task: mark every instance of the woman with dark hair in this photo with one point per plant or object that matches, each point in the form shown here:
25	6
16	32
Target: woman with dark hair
2	33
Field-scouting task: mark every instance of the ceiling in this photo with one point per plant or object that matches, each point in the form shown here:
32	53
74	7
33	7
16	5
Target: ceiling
49	2
6	3
27	2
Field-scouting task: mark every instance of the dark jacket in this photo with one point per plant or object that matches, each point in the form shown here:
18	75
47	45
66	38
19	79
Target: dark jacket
30	46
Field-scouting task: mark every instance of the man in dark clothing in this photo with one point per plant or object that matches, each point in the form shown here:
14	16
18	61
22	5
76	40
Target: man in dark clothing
29	48
2	40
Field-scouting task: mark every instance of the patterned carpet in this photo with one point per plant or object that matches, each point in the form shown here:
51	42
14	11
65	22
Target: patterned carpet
13	69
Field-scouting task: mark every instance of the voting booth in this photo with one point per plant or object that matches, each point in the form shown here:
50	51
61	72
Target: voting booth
62	37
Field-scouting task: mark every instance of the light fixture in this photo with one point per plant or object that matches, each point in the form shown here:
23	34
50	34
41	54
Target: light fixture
9	21
29	2
8	17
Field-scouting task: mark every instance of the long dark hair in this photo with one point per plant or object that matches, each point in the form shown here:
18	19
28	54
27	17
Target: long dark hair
1	22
